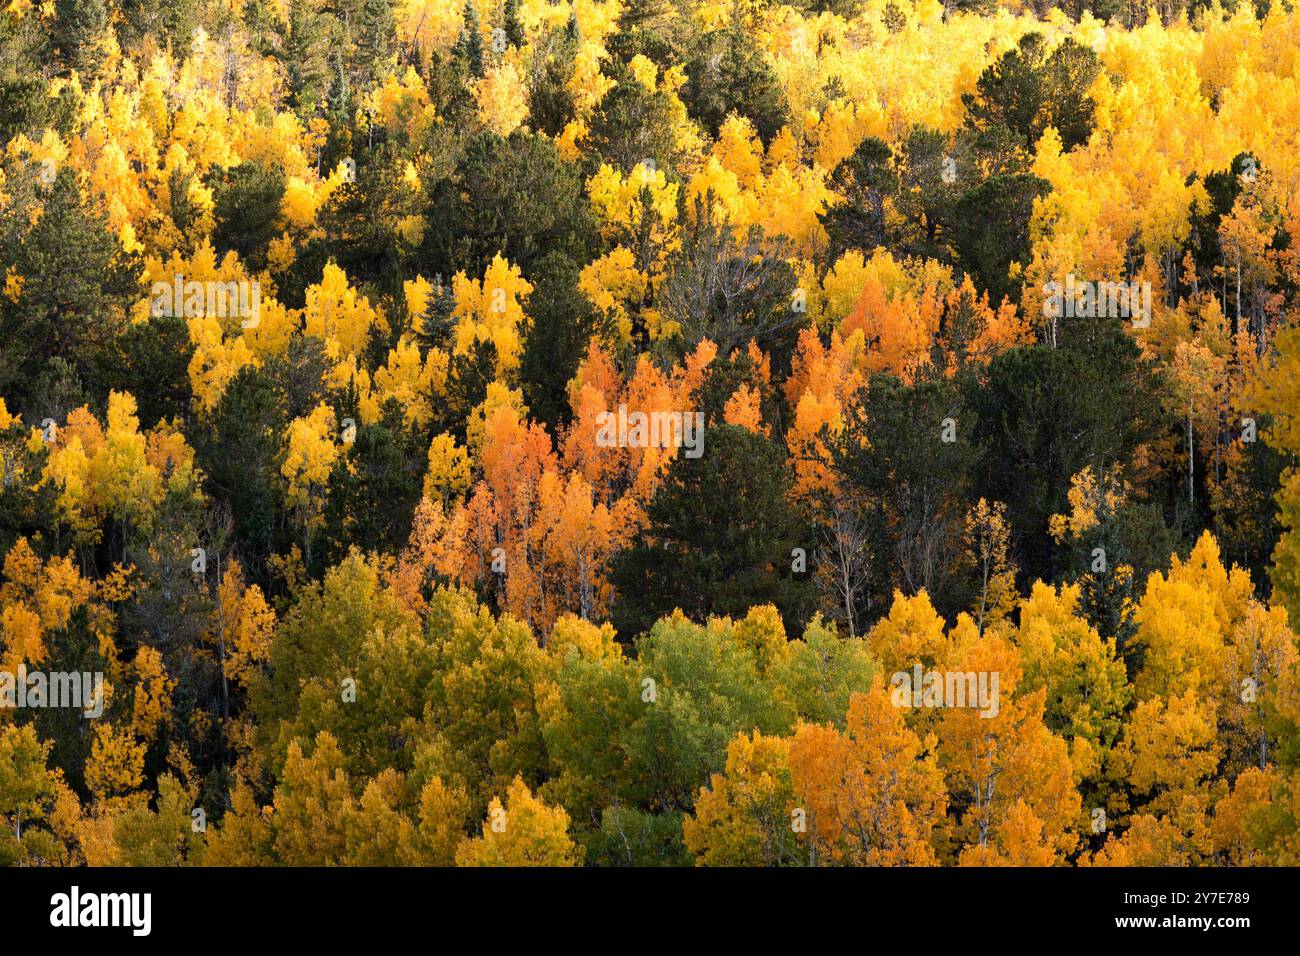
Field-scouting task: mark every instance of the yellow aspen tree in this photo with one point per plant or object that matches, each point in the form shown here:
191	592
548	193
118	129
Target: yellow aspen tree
744	816
115	768
243	626
912	633
491	310
312	801
448	476
338	315
996	756
987	539
523	831
151	702
310	457
873	795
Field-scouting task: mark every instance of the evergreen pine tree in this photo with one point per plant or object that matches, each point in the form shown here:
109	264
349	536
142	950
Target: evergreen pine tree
468	51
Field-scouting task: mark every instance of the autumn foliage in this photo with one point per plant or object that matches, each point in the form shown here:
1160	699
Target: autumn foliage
313	321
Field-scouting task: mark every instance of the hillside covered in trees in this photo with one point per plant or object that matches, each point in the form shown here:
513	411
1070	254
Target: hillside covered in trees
614	432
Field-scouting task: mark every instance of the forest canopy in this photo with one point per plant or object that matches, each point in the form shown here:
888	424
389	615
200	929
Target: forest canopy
649	432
